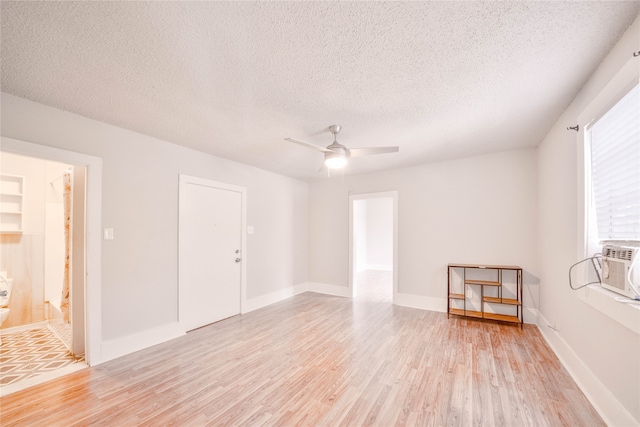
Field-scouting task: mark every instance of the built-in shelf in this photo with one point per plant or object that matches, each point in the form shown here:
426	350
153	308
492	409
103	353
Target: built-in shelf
11	203
459	301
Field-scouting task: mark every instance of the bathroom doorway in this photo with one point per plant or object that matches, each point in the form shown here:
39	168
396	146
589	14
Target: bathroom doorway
373	246
43	253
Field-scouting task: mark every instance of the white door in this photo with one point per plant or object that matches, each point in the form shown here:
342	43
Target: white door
210	239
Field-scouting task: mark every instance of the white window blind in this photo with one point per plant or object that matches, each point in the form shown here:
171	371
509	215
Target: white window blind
615	169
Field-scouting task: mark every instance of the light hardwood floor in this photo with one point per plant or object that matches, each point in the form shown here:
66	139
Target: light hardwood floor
321	360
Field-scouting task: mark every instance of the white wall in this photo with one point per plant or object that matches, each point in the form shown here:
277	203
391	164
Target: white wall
603	355
140	202
473	210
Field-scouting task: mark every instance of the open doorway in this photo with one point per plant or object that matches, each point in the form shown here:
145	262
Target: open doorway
33	207
42	239
373	246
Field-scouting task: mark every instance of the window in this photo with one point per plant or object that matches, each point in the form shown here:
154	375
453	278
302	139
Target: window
608	166
613	171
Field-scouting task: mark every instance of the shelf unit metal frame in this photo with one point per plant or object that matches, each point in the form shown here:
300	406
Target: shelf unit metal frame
482	314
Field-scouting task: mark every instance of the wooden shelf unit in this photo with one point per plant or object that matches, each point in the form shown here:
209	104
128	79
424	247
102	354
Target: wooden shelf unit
469	284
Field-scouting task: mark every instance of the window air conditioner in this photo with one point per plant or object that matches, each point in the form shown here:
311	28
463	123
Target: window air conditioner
617	259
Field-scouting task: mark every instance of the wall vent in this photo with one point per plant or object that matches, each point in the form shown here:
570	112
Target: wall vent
618	253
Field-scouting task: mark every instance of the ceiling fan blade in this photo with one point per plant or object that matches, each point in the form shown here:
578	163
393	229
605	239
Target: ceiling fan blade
306	144
359	152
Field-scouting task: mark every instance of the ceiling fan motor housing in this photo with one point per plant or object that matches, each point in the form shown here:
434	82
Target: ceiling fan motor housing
339	149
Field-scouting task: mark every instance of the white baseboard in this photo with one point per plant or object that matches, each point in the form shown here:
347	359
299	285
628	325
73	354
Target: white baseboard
609	408
440	304
604	300
530	316
273	297
421	302
379	267
325	288
122	346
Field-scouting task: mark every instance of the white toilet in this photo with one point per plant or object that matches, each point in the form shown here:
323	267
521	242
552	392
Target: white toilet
5	293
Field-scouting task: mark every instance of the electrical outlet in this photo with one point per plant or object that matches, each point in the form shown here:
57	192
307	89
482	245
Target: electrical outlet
108	234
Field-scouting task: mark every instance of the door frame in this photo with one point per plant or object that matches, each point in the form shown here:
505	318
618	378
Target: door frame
352	273
93	245
185	180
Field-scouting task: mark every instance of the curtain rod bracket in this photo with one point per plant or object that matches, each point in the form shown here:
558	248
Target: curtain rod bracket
576	128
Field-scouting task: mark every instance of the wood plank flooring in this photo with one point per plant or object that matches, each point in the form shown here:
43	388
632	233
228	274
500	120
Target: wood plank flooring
321	360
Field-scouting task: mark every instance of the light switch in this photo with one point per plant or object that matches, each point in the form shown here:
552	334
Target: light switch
250	229
108	234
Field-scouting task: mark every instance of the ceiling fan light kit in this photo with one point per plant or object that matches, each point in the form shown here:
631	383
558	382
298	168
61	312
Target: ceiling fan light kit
336	154
335	160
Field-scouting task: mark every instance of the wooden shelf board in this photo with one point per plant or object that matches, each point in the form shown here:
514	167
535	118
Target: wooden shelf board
502	317
495	300
468	313
481	282
490	267
456	296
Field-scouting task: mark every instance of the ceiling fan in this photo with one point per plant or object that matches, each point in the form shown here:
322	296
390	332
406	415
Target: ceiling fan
336	154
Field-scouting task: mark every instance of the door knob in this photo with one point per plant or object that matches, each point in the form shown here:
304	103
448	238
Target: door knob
238	260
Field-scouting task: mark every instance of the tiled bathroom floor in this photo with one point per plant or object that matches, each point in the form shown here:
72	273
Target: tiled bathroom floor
30	353
62	330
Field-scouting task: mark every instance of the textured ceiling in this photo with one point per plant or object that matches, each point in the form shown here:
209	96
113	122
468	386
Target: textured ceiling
439	79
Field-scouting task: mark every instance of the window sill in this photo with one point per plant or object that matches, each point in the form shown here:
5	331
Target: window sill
604	301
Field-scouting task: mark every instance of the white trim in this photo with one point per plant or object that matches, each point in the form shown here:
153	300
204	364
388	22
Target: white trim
421	302
609	408
93	286
325	288
122	346
378	267
274	297
182	194
352	198
605	302
530	316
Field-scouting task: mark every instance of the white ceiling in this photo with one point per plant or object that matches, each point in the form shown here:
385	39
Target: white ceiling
439	79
